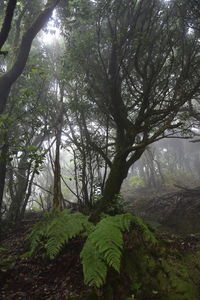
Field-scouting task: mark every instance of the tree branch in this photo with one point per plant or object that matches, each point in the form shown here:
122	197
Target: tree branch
11	76
7	22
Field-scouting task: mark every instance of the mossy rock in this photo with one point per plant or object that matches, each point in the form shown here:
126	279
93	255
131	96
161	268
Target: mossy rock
151	271
157	275
178	284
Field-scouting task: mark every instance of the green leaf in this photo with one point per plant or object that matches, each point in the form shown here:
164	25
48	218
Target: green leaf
52	233
105	243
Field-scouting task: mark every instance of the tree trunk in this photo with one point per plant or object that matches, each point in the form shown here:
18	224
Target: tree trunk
118	173
58	197
27	196
22	182
7	80
7	21
3	165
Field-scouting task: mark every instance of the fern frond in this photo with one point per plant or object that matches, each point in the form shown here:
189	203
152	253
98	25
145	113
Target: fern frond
147	235
63	228
94	267
56	229
106	244
39	232
123	221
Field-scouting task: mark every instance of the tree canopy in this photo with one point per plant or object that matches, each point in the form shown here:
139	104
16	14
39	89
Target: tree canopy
125	75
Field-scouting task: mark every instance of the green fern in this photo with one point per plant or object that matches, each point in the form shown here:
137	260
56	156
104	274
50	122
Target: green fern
146	234
104	244
55	231
94	266
39	232
103	248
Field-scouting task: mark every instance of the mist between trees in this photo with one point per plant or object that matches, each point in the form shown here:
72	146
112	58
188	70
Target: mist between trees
110	102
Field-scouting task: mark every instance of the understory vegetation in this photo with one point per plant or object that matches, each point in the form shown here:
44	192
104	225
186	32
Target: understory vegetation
122	243
121	257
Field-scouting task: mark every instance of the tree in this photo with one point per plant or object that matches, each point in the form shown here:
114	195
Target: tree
7	80
90	169
57	195
29	127
7	23
140	65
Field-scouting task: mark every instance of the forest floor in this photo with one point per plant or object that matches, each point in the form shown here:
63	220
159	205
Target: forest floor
62	278
39	278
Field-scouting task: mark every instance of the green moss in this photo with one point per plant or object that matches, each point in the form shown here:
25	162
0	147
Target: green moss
7	263
160	275
178	282
192	261
150	270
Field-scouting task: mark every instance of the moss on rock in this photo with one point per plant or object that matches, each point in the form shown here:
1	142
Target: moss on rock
152	270
157	274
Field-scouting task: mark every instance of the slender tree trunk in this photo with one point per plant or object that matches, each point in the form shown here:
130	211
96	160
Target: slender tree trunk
27	196
3	165
58	197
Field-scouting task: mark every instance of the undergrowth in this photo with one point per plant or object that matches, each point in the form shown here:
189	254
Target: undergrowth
55	230
102	249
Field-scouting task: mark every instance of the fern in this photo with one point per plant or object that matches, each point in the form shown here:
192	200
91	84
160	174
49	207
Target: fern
146	234
94	267
55	231
104	244
103	248
39	232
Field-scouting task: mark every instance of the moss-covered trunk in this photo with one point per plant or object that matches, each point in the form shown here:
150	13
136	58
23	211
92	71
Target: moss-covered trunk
118	173
17	198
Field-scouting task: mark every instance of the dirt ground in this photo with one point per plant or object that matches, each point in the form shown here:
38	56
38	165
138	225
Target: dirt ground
39	278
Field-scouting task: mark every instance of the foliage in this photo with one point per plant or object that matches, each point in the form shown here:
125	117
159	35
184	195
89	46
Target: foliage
103	248
147	236
136	181
118	205
55	230
179	177
7	261
131	59
5	122
3	250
